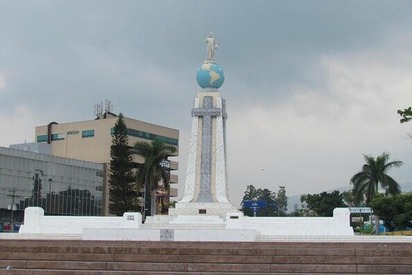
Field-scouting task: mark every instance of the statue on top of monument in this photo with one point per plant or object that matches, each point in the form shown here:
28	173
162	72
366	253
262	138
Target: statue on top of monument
211	46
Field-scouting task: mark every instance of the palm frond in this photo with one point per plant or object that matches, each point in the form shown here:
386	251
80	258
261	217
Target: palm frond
374	174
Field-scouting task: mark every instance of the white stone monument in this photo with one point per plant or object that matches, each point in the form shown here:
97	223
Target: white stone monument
206	187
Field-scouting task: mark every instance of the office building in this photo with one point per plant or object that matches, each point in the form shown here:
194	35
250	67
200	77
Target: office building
90	140
61	186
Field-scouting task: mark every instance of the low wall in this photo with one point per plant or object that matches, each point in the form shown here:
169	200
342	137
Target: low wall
36	223
236	227
339	224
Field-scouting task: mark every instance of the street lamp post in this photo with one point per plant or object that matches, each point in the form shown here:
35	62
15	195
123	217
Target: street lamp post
50	195
143	205
12	208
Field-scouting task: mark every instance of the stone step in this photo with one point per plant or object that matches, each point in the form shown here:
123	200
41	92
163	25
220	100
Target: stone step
315	259
90	272
96	257
221	249
210	268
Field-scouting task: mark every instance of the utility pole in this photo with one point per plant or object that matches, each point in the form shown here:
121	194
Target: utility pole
12	196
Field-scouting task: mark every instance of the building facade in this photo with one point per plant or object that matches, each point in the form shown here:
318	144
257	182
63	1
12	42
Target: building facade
61	186
91	140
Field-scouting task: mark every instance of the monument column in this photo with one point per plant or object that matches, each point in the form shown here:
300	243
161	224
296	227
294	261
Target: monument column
206	186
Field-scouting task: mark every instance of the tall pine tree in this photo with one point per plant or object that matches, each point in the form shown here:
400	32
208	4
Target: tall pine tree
123	193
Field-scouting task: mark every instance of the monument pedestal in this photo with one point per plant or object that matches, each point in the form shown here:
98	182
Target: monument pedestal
202	208
206	189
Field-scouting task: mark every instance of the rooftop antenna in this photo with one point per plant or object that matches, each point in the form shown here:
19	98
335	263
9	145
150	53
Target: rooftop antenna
98	110
108	106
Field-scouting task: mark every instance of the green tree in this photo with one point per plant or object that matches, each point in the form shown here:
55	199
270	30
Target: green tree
323	204
253	194
151	173
271	205
406	114
37	187
374	174
122	189
395	211
300	212
348	198
282	201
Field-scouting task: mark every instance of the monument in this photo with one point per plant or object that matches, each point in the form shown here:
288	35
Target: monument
206	186
205	212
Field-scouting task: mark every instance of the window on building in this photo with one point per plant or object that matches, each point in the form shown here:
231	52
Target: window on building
41	138
55	137
87	133
99	173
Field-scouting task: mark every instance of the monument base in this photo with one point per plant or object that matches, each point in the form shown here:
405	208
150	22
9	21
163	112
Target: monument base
234	226
202	208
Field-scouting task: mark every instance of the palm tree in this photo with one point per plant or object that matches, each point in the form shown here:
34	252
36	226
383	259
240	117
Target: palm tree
374	173
151	172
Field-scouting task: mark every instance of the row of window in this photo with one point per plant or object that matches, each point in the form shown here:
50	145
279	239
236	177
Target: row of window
55	137
130	132
146	135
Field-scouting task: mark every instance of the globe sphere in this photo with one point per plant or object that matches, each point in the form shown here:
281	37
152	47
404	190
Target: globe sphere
210	75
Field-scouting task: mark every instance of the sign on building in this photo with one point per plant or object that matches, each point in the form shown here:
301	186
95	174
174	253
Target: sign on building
361	210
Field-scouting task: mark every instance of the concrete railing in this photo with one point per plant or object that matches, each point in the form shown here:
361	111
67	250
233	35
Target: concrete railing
35	222
339	224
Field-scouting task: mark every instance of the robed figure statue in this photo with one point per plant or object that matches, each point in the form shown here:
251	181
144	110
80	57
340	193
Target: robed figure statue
211	46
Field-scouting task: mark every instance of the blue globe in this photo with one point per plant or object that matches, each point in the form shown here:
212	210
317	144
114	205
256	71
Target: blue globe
210	75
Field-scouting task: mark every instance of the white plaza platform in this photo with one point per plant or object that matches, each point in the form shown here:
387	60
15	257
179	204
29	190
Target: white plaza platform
233	227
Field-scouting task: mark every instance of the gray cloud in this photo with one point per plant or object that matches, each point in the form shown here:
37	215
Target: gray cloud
310	85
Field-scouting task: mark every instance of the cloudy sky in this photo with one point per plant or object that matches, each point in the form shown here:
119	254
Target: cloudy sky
310	86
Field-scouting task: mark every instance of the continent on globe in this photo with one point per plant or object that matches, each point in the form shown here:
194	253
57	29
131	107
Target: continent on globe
210	75
206	66
214	76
